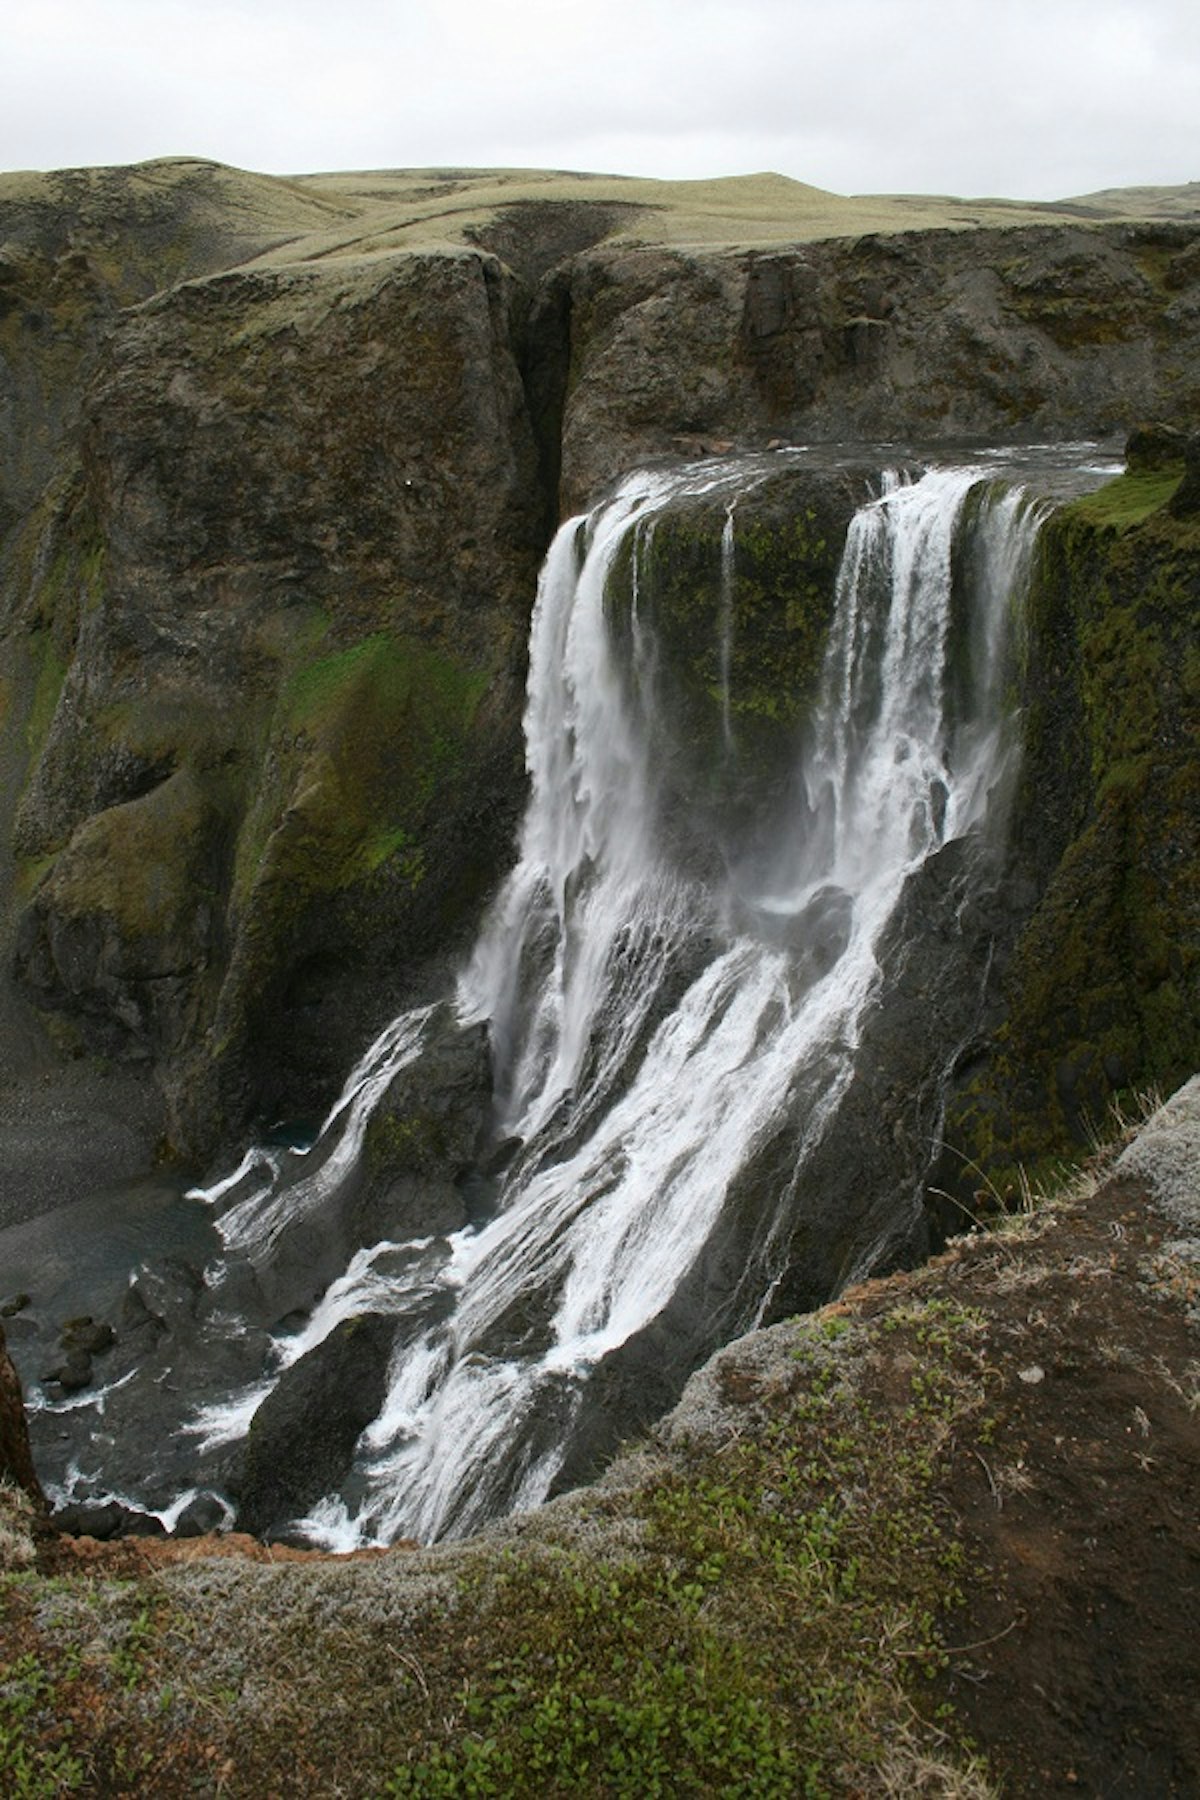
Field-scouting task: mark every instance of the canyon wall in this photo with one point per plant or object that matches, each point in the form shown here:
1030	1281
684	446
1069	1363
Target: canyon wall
273	492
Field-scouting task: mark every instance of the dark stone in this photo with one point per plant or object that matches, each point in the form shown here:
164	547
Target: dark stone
166	1293
16	1458
13	1305
107	1521
425	1137
1185	502
136	1524
302	1438
866	343
1150	447
137	1321
72	1373
86	1336
201	1516
102	1522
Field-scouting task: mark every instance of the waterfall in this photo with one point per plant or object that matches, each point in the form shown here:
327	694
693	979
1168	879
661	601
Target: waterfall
660	1000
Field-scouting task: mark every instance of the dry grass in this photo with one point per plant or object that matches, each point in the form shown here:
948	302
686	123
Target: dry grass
17	1549
361	216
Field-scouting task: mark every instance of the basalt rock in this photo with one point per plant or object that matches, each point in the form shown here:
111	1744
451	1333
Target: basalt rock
303	1435
424	1139
1101	995
274	624
1052	332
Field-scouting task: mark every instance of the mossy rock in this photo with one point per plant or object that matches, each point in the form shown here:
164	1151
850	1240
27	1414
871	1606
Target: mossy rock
1102	995
124	926
740	628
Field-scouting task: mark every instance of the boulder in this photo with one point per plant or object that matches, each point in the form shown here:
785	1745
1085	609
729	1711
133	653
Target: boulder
1185	501
302	1438
1150	447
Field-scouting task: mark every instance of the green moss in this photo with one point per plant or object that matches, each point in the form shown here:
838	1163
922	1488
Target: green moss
786	1603
30	871
410	1140
740	641
31	1764
145	867
51	673
360	741
1128	499
1103	992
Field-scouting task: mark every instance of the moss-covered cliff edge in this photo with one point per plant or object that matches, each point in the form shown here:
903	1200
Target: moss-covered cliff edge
1102	993
263	630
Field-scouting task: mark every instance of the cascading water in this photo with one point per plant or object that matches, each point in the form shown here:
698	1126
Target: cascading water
652	1026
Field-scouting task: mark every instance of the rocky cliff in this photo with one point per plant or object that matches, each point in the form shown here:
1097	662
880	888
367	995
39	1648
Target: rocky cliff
1099	992
279	460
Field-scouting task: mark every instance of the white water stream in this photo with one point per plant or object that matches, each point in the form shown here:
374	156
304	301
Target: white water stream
649	1030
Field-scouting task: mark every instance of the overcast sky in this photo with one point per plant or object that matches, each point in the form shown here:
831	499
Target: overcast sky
1034	99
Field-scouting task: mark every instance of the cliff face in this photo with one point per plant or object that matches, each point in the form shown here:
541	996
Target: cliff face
1053	332
264	637
270	537
1102	993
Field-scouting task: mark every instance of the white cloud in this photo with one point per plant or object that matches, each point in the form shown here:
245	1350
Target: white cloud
1040	98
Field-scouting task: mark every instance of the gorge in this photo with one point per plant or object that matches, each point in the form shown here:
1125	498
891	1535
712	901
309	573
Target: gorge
281	460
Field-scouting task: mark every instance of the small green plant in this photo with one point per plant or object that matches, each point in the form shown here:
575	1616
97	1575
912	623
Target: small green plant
128	1659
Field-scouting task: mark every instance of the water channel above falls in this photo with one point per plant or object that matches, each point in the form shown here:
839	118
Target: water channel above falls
692	1073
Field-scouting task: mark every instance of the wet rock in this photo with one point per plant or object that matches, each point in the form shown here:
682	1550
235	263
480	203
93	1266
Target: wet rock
142	1525
100	1522
165	1294
72	1373
303	1435
138	1323
86	1336
1101	988
201	1516
106	1521
424	1138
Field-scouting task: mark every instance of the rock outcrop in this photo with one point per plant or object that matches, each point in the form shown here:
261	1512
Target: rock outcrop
1021	333
1101	994
267	636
